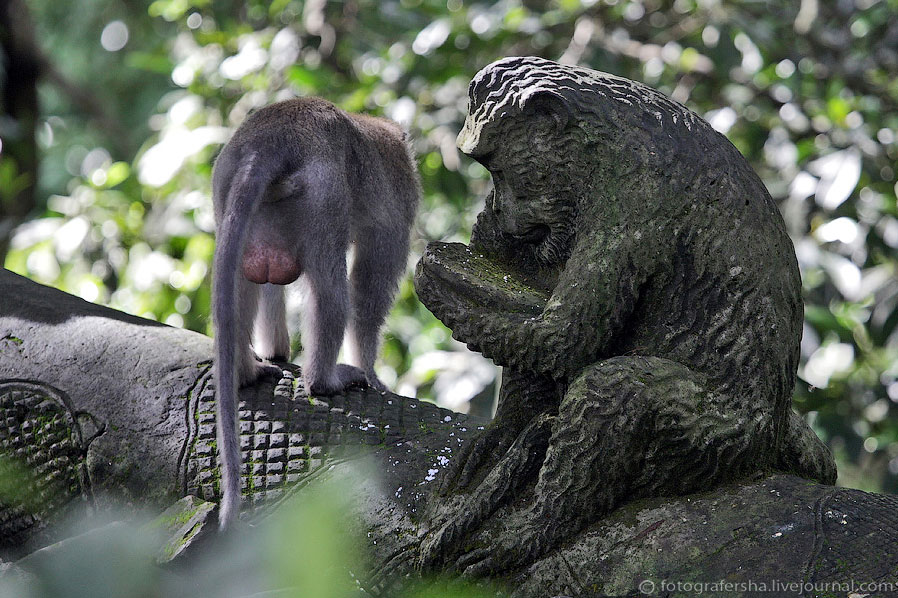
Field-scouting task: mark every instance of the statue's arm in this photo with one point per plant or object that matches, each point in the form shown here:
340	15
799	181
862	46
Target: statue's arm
593	297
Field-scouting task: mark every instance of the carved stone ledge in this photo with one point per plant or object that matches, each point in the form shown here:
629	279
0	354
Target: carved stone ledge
106	407
778	534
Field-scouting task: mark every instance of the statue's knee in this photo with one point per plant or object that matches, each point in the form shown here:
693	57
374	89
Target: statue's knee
640	394
626	377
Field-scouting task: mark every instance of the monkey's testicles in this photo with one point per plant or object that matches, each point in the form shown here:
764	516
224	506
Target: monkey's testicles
267	263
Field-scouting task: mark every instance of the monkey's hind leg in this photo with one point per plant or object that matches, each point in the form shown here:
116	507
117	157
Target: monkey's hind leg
249	369
627	427
270	337
380	258
324	324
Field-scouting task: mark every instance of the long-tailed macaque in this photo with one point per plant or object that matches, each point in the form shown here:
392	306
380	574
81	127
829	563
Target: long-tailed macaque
299	181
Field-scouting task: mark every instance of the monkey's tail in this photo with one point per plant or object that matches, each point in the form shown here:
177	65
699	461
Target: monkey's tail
804	454
246	187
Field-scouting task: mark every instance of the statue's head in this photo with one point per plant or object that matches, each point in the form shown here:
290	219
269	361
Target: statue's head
561	139
531	87
529	124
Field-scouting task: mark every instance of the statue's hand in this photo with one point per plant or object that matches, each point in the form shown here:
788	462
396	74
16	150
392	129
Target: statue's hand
463	287
446	532
512	540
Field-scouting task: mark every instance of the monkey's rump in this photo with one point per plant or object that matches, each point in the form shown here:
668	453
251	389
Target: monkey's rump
265	263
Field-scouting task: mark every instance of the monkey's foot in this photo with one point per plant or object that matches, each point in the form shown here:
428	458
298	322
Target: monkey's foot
375	382
456	517
258	371
343	376
269	370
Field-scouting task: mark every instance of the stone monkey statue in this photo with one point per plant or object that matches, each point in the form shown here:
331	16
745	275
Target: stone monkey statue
298	183
635	279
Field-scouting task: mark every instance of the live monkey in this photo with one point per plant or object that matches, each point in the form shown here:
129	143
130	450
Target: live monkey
299	182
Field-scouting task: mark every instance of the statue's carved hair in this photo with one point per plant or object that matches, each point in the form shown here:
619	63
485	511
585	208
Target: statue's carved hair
508	84
630	123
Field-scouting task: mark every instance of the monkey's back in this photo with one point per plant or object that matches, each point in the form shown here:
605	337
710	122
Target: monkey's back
371	151
385	163
311	125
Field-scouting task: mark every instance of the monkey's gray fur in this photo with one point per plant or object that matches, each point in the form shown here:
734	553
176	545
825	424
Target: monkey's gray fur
299	181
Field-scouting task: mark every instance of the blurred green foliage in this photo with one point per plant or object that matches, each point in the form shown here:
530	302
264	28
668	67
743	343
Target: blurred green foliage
806	90
302	550
319	568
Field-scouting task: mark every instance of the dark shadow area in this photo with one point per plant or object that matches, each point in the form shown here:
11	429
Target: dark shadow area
23	298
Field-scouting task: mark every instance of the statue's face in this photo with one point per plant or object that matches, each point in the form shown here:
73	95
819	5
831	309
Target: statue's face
519	213
527	142
530	196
